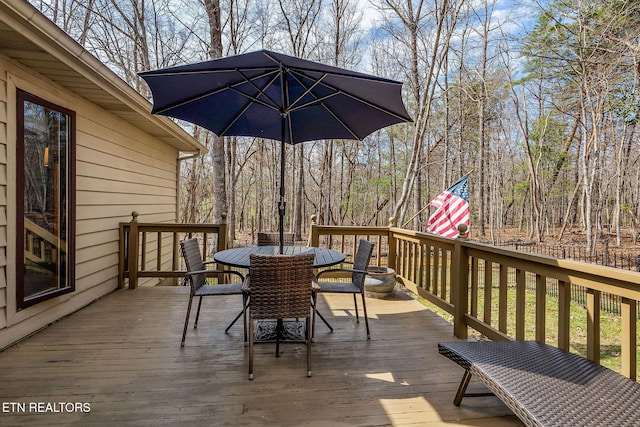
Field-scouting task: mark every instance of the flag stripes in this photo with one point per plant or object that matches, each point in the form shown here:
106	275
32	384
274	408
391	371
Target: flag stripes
452	209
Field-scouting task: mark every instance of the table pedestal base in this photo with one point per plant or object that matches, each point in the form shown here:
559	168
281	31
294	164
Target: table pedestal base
289	330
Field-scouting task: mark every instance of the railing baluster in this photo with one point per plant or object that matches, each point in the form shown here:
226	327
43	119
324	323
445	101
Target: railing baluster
474	287
411	262
564	314
175	252
628	309
159	252
460	293
541	308
502	299
521	303
420	266
435	279
429	263
488	285
417	262
444	276
593	325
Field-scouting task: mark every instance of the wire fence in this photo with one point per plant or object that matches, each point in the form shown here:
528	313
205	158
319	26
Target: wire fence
606	257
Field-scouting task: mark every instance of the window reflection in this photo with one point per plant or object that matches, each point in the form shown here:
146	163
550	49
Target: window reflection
46	138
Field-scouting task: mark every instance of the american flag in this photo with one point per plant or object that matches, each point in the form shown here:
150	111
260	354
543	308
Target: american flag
452	209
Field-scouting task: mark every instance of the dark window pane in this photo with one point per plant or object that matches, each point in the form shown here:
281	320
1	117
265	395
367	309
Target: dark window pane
46	138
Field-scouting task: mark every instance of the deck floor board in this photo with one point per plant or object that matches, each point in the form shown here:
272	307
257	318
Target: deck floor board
122	356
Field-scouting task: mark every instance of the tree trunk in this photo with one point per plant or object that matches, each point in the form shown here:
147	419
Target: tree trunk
483	151
219	183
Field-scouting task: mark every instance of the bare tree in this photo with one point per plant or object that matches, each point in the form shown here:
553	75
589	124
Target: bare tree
218	164
341	39
424	47
298	21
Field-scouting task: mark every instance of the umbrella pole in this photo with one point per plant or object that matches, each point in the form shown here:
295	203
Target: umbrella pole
281	204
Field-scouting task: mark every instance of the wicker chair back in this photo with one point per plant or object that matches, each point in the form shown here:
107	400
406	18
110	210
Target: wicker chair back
361	263
273	239
280	286
193	260
197	277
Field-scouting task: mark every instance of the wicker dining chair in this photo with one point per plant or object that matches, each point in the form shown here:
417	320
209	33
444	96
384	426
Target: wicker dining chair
355	286
196	276
273	239
279	287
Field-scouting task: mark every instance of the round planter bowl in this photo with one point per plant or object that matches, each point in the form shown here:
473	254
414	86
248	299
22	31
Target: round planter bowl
379	282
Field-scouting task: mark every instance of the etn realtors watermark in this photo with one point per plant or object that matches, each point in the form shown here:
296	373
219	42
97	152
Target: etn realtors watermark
45	407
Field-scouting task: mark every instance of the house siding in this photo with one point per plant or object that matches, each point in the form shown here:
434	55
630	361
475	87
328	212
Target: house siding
3	200
119	169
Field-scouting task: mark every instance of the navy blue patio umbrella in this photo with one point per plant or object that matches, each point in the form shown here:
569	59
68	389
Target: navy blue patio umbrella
274	96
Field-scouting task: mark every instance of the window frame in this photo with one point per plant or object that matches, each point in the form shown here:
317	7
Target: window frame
23	301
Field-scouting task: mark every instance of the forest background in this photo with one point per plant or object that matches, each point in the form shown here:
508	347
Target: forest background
539	100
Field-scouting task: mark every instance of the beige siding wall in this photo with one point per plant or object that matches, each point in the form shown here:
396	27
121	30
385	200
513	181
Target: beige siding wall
3	200
119	169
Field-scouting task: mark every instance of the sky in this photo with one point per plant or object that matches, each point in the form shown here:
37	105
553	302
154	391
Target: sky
503	9
370	13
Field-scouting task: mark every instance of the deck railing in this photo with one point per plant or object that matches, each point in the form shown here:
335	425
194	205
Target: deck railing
502	293
151	250
496	292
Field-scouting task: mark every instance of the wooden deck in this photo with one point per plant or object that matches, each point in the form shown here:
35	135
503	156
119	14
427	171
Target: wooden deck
121	357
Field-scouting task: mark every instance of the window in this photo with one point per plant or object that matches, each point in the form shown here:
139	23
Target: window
45	206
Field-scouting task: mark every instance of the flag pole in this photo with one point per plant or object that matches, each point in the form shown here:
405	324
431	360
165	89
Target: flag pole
428	204
419	212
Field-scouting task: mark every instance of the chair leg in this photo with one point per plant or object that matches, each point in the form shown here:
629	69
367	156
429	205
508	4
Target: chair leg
250	348
243	313
366	318
325	321
462	388
279	327
308	340
245	306
314	302
315	312
186	322
226	331
355	302
195	325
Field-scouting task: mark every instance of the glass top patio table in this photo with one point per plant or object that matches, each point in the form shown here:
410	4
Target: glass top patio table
239	257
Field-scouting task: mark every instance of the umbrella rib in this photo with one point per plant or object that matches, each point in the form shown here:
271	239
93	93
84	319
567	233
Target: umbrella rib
316	101
319	101
261	91
255	100
342	123
252	99
357	98
308	91
221	89
335	71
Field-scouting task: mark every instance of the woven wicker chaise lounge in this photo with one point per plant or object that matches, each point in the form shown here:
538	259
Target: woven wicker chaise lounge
546	386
